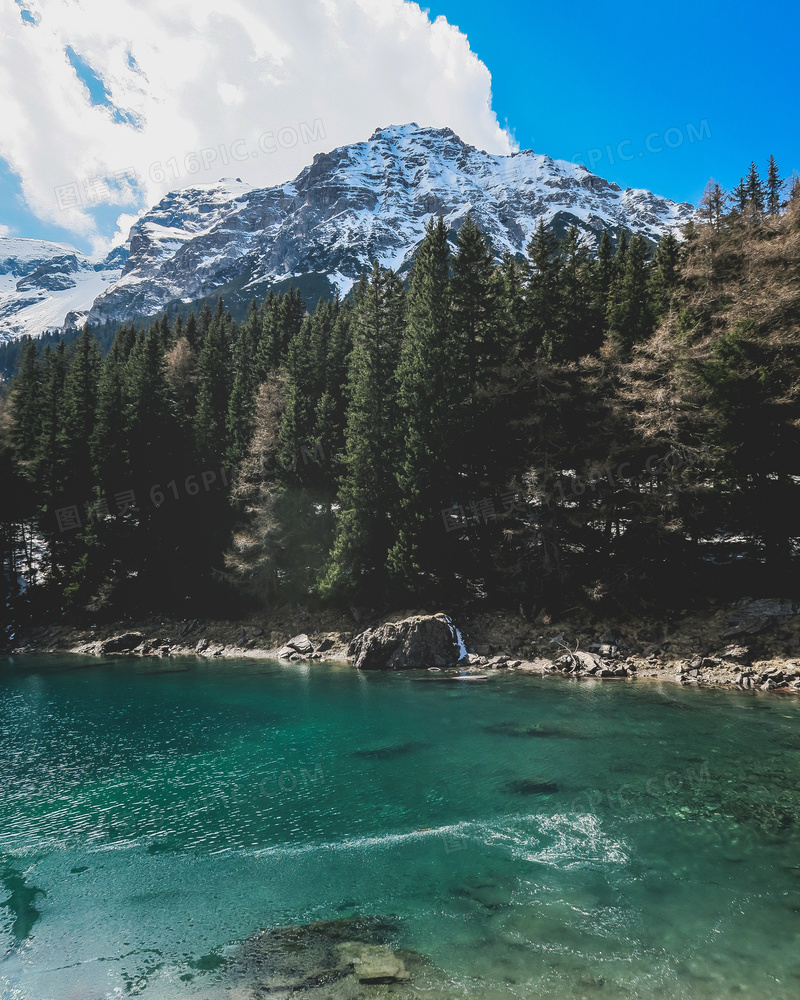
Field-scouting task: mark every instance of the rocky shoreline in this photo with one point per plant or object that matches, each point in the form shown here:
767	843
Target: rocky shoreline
750	645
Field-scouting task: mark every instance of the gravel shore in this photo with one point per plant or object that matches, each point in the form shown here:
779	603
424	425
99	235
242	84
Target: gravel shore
749	644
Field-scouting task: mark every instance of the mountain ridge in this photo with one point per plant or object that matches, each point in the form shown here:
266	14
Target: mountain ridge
360	202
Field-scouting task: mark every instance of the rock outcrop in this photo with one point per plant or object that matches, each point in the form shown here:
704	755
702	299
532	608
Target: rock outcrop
414	643
122	643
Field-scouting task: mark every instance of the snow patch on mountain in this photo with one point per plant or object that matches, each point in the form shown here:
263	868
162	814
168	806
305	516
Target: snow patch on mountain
42	284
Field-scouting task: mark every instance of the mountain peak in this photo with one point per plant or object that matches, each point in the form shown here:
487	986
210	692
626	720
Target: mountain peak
411	129
367	201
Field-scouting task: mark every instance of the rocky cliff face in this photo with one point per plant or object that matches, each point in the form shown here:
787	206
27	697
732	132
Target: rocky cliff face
367	201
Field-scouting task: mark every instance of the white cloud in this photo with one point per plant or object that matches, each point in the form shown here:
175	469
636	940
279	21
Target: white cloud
4	231
219	82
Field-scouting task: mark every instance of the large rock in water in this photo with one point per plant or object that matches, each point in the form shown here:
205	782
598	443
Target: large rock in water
419	641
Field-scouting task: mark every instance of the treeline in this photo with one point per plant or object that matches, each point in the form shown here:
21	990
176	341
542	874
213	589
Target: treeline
11	350
116	471
565	426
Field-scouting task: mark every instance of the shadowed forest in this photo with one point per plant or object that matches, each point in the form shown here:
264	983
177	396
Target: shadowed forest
619	427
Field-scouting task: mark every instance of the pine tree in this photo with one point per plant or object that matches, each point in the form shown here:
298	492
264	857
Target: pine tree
49	468
149	417
774	187
604	278
330	414
109	454
192	333
475	321
245	386
48	465
291	313
794	189
357	564
268	351
574	333
620	254
630	319
17	506
166	333
312	401
298	428
615	293
25	401
79	413
213	390
740	196
428	395
541	291
664	274
473	302
204	324
755	191
712	204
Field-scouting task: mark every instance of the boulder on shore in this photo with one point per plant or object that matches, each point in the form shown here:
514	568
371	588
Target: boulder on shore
299	647
122	643
416	642
301	644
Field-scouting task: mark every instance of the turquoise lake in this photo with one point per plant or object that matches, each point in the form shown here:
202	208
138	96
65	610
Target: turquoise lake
529	837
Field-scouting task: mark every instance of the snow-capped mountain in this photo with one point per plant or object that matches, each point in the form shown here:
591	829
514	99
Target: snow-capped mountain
358	203
45	286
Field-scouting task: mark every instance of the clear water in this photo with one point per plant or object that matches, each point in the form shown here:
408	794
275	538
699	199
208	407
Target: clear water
530	837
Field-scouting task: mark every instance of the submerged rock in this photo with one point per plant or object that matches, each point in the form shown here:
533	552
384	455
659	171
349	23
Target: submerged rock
490	894
389	752
373	964
335	956
531	786
518	729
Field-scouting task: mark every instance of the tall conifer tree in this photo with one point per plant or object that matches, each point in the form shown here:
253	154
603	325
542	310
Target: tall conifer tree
774	187
429	378
26	400
357	563
213	389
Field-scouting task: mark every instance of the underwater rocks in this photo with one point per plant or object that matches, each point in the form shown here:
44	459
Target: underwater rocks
21	903
531	786
336	956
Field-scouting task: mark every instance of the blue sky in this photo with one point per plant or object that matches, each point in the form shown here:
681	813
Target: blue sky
647	95
579	77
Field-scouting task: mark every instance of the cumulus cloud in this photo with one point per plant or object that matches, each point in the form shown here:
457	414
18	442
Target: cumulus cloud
4	231
115	103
